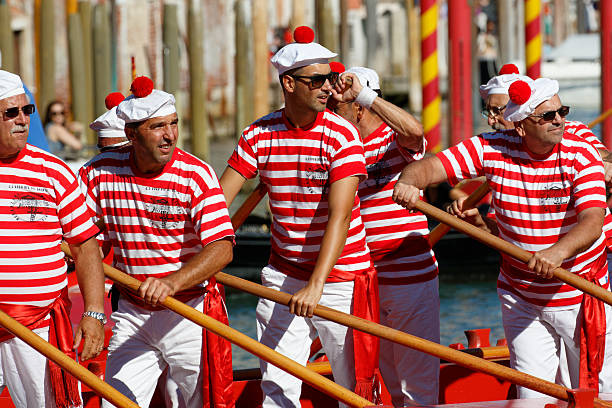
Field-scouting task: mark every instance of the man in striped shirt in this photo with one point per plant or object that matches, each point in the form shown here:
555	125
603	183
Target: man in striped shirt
41	205
405	264
168	225
311	161
549	198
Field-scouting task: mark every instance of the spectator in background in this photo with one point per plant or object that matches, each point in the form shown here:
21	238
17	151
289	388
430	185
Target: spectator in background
486	51
63	137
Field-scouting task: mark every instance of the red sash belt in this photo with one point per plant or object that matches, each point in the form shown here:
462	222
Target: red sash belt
592	332
366	306
64	385
216	366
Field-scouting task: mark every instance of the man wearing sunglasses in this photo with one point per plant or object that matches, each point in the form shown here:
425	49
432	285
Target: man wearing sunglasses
405	263
549	198
311	161
42	206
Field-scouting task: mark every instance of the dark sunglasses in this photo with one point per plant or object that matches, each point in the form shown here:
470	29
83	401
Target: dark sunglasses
317	81
492	111
14	111
57	113
551	115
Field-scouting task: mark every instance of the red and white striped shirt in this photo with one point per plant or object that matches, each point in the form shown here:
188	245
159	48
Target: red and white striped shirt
582	130
536	201
298	166
155	223
397	238
40	205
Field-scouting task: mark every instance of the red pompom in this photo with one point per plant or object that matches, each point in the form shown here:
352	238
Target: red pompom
303	34
337	67
113	99
509	69
519	92
142	86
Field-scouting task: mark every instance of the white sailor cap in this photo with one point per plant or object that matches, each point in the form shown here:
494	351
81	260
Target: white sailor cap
10	85
301	53
525	97
145	102
367	77
109	124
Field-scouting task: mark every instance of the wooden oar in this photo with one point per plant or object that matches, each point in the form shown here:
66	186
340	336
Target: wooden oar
58	357
417	343
252	346
600	118
248	205
512	250
441	229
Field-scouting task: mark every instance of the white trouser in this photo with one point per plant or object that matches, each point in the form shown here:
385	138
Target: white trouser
536	337
292	336
26	373
410	375
144	343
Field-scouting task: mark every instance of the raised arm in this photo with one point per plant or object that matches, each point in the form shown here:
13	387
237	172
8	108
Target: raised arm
341	198
415	177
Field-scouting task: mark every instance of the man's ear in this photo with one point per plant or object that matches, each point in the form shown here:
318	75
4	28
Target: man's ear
288	83
359	111
520	128
130	133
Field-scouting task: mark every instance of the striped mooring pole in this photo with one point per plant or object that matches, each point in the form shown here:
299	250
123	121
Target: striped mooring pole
429	74
533	37
605	16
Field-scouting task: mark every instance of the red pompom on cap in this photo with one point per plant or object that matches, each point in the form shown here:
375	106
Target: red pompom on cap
519	92
303	34
337	67
113	99
509	69
142	86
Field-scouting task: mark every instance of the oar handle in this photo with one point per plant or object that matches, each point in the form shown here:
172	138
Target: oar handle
396	336
600	118
252	346
248	205
442	229
78	371
512	250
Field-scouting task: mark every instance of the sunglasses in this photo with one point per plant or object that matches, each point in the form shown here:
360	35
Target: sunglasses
551	115
317	81
489	111
14	111
57	113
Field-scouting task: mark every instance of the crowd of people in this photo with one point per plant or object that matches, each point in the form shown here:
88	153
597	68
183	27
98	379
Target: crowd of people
343	169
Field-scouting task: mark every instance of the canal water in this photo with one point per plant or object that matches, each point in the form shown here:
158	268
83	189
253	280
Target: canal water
467	301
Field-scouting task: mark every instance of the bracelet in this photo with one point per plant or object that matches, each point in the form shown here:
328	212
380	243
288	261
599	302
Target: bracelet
366	97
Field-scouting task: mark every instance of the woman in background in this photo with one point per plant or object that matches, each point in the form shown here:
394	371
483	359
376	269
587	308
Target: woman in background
63	138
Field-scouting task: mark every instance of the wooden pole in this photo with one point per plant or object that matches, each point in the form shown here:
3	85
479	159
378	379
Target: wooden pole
7	52
429	75
324	22
298	11
243	66
197	81
101	57
84	9
414	56
47	54
248	205
261	102
77	73
408	340
171	37
252	346
78	371
512	250
344	31
371	32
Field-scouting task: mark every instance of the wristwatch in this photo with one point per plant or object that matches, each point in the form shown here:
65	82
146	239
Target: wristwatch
101	317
